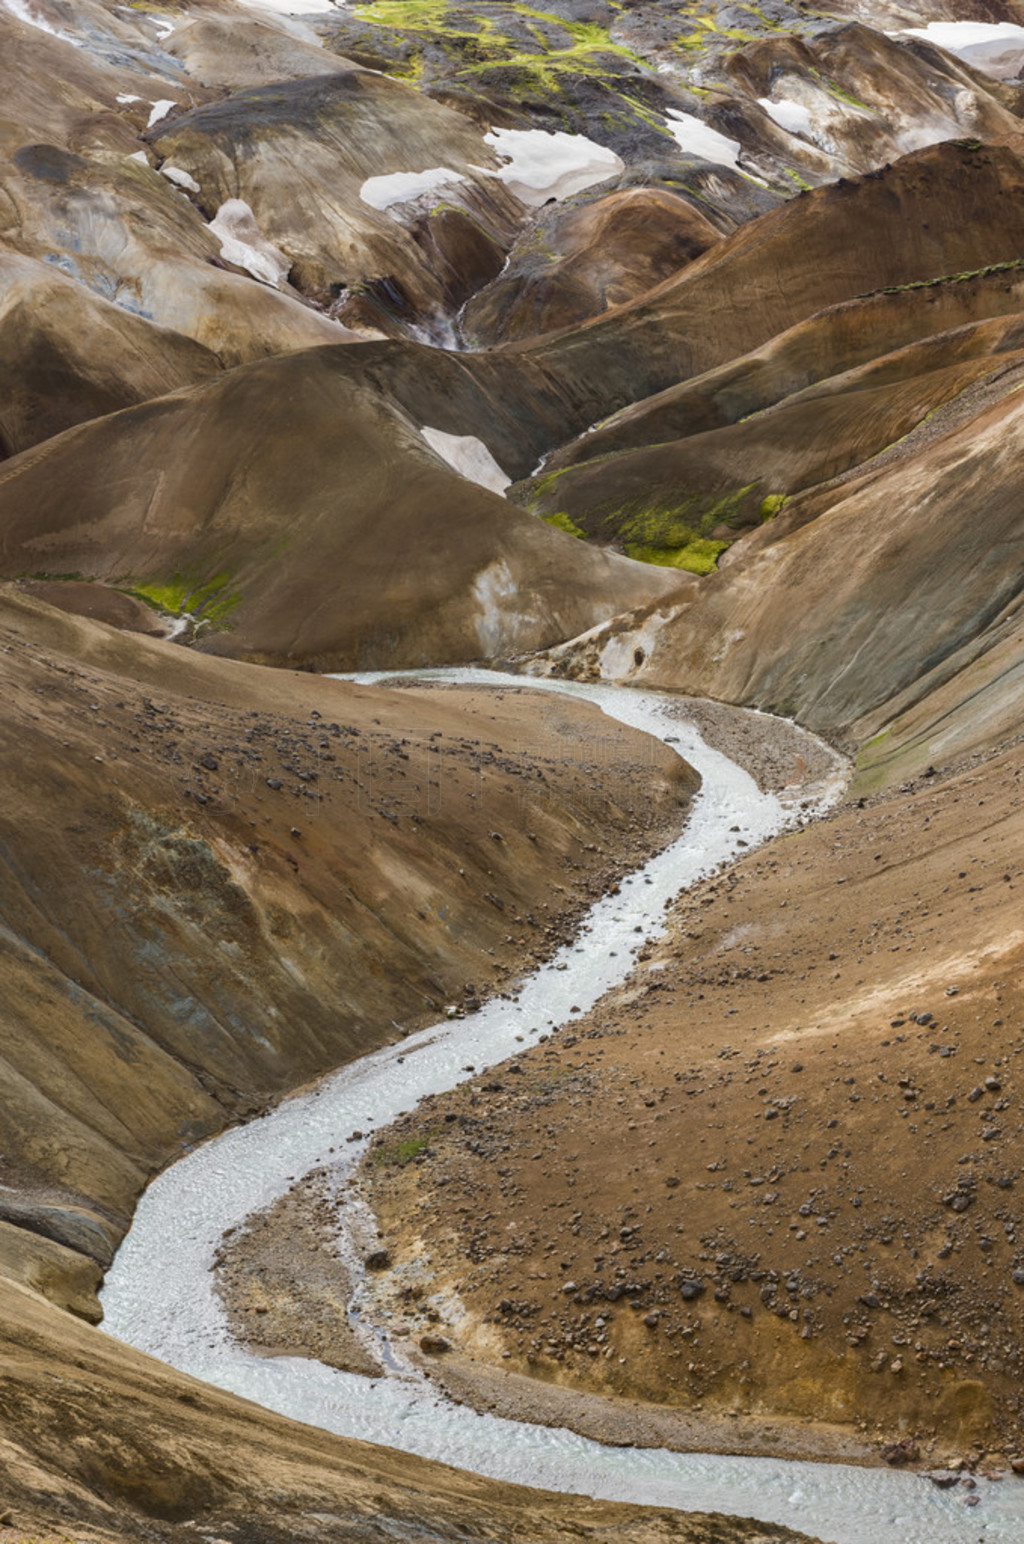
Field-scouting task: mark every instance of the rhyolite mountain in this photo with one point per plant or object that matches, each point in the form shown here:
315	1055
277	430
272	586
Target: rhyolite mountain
680	347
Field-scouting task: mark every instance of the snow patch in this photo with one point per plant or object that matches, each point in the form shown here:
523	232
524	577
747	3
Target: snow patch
543	165
402	187
180	178
695	137
243	243
469	457
293	7
124	98
995	48
792	116
954	35
160	111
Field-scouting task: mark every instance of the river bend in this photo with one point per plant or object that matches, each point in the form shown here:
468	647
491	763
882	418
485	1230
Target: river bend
159	1295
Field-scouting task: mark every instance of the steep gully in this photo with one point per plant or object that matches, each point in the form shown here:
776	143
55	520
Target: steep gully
159	1294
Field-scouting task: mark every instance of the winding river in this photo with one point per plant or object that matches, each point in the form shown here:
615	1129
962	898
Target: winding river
159	1293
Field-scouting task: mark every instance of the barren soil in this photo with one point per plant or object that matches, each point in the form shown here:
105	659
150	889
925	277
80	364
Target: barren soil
773	1178
188	844
285	1286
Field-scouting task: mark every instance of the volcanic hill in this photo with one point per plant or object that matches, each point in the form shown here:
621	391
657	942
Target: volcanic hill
679	347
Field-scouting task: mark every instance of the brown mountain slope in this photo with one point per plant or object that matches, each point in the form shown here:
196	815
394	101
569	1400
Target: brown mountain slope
125	232
74	194
581	261
56	92
714	485
66	355
965	704
818	251
959	206
234	46
299	153
868	98
946	210
867	600
906	331
219	881
317	520
893	14
766	292
889	580
797	272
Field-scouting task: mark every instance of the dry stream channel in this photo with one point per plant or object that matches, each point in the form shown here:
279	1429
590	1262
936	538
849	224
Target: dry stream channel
160	1297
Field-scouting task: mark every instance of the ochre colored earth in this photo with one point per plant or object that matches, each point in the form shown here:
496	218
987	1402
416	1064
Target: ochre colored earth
755	398
773	1178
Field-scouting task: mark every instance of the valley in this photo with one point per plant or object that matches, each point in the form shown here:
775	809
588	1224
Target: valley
654	368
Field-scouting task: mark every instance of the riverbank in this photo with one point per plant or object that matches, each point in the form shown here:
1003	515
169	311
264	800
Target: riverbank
286	1289
103	1445
194	1210
776	1169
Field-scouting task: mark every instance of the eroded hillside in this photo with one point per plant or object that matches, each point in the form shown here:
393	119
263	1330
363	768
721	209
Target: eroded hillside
672	345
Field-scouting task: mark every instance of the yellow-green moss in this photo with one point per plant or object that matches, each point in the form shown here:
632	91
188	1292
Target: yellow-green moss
877	762
475	44
422	15
693	516
404	1151
1015	265
845	96
562	522
698	556
773	505
179	595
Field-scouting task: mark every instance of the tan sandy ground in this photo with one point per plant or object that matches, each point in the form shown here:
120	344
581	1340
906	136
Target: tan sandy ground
752	1184
287	1289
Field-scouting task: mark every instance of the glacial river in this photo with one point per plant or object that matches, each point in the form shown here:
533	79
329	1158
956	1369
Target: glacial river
159	1293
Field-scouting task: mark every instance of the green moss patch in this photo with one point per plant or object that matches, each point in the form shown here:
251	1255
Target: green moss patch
772	505
1015	265
562	522
699	556
207	600
506	52
403	1151
681	537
